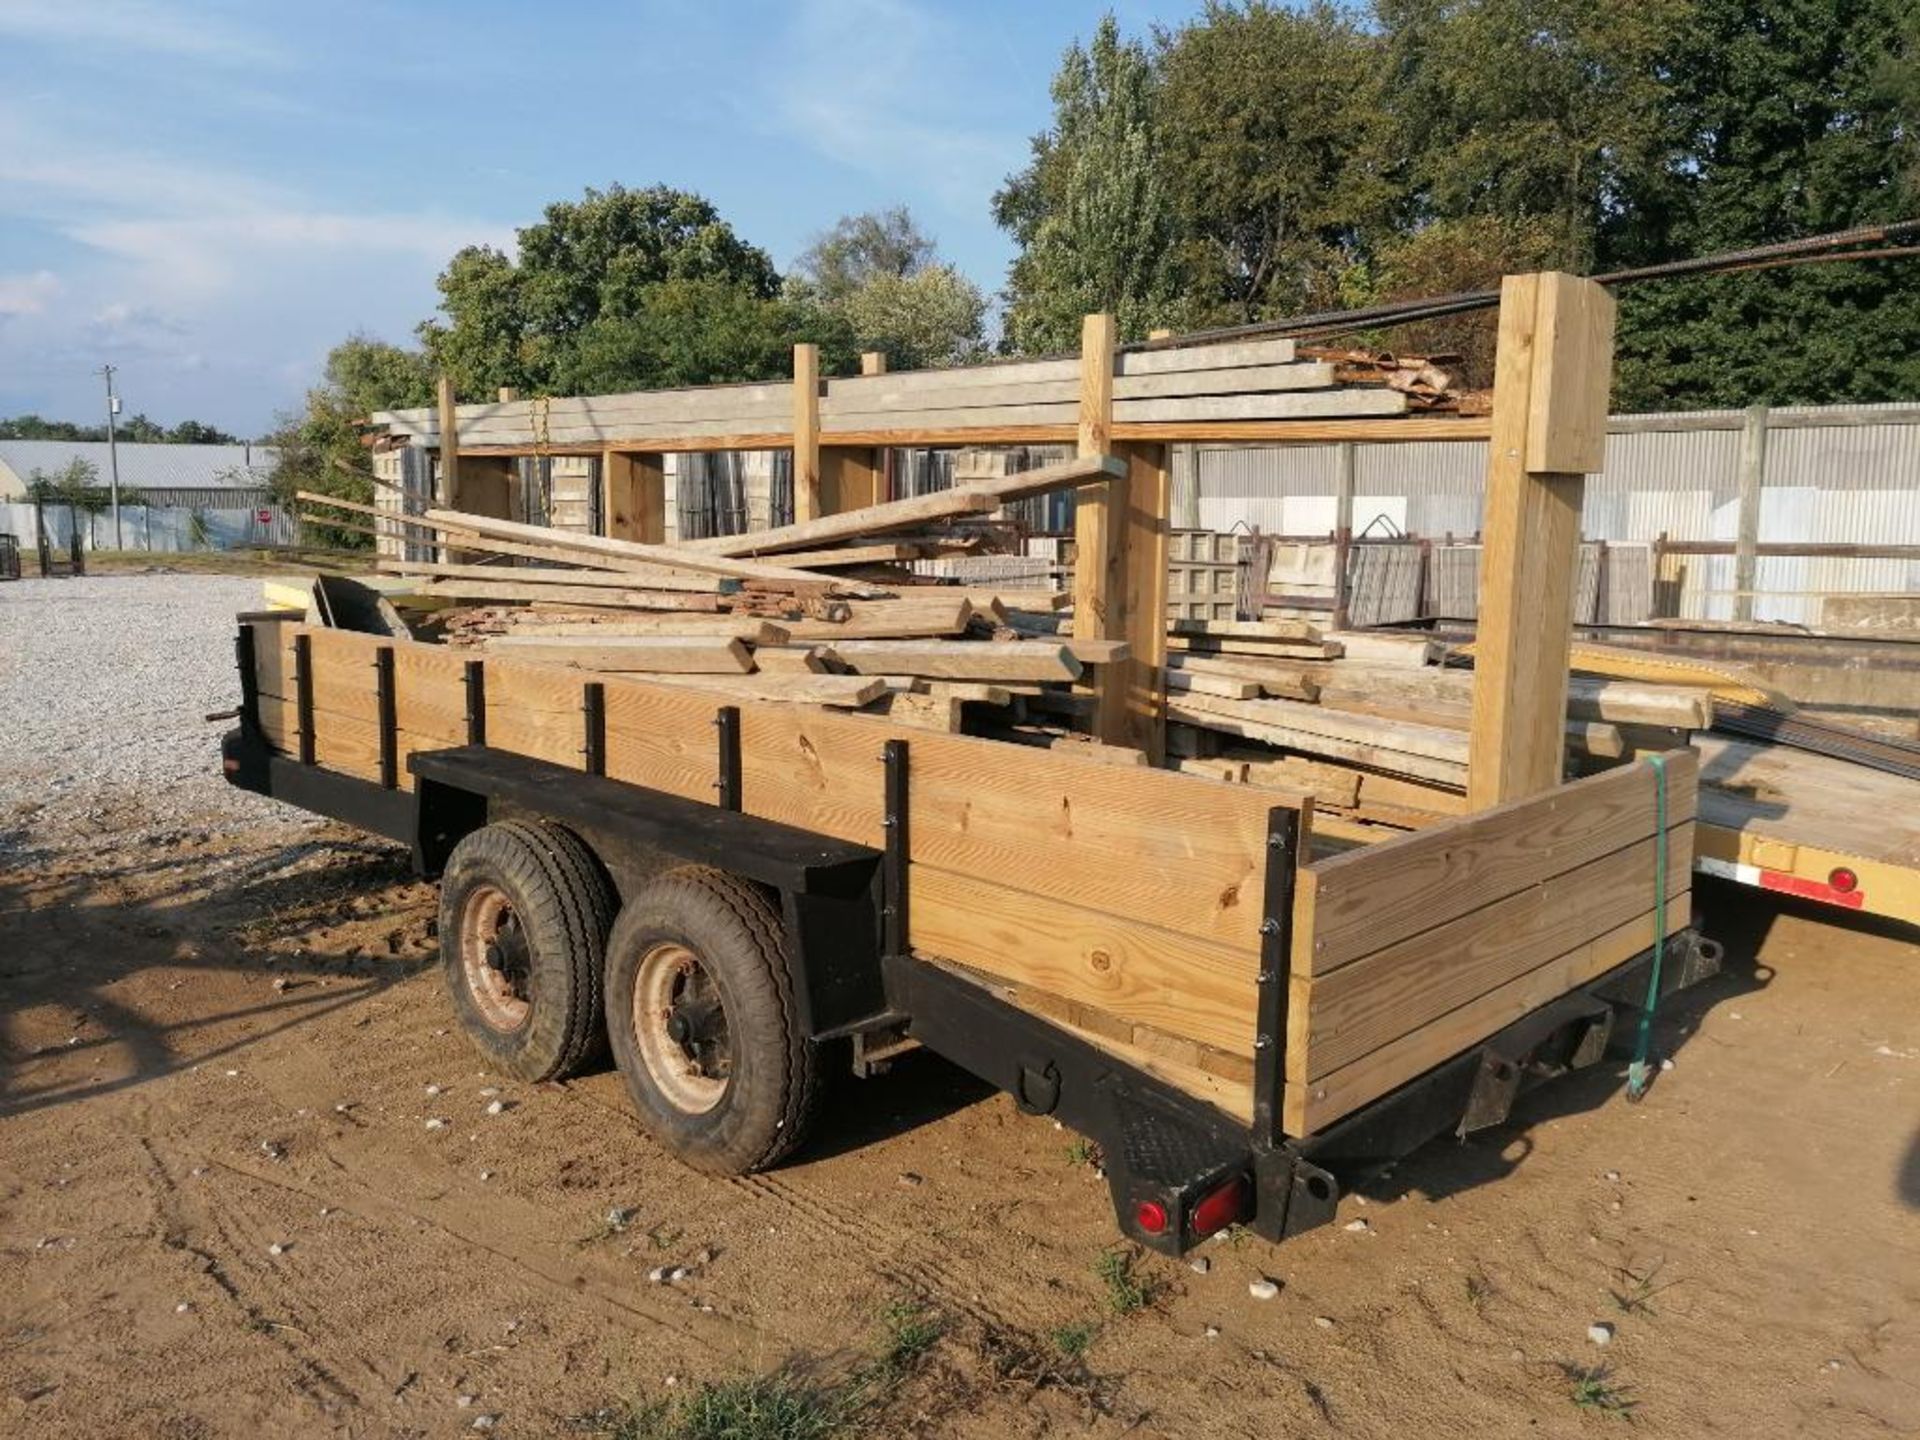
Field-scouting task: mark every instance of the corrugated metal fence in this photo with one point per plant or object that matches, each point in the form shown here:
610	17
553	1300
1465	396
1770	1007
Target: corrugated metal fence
1831	475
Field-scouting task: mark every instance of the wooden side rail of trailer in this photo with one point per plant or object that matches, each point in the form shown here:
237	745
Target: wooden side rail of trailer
1172	965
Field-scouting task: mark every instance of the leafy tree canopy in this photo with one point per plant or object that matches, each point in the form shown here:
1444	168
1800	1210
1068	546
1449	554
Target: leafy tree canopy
877	277
586	278
136	429
1263	160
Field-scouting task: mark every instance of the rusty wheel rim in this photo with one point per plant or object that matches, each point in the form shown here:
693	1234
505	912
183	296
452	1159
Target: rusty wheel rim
680	1028
495	960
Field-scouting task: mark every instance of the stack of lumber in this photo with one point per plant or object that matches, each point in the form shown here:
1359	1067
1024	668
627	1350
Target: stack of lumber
794	614
1166	385
1370	723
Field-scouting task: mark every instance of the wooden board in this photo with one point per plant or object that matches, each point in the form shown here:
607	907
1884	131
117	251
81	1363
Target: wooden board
665	654
958	660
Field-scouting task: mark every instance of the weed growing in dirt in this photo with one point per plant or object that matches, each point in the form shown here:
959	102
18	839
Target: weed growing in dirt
785	1405
1073	1340
1479	1289
781	1406
1636	1298
1597	1390
1082	1152
908	1330
1126	1291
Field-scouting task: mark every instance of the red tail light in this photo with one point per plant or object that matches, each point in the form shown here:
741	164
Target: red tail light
1221	1206
1151	1216
1844	880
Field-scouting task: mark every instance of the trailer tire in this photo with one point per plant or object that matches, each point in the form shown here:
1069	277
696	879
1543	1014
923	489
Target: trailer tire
736	1086
524	912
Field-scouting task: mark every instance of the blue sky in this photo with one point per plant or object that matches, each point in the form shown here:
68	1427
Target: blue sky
210	194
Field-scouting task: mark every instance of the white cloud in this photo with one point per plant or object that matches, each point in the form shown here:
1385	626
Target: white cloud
189	258
870	101
141	25
28	294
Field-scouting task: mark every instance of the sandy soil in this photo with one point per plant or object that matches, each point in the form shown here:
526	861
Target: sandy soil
218	1040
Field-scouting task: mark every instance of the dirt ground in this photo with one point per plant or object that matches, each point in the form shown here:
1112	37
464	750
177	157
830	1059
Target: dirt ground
223	1211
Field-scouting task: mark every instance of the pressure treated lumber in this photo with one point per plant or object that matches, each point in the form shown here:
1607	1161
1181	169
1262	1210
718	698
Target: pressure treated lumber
973	499
1016	660
532	623
806	432
1551	380
666	654
676	557
847	692
1203	712
1280	681
1306	1108
609	595
453	530
788	660
1367	900
908	617
1403	987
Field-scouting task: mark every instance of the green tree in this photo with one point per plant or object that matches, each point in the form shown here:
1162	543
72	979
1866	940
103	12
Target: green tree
320	448
860	248
1275	138
1532	110
602	261
1797	117
1092	212
77	484
876	277
699	332
138	430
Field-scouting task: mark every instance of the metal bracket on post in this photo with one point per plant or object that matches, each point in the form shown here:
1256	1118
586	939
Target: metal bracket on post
1276	961
726	722
893	863
593	715
246	659
388	708
476	678
303	694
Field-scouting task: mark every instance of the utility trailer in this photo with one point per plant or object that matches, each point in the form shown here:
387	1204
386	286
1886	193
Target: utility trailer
1243	1017
1243	1009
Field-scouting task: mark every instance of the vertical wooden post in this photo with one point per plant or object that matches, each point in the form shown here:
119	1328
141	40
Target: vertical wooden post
1551	378
449	487
508	394
1133	693
1120	560
1095	531
806	433
851	477
634	496
1346	462
1753	476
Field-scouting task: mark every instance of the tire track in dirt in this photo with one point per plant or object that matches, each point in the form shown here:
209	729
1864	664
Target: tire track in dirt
311	1346
494	1230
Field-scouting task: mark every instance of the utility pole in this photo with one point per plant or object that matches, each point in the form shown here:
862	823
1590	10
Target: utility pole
113	454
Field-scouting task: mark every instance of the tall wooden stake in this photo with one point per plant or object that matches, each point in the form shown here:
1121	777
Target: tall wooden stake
806	433
449	488
1120	560
1551	378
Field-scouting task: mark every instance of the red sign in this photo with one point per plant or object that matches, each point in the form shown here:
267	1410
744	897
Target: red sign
265	517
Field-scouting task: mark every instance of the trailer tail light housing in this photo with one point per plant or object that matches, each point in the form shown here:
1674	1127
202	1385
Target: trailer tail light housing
1151	1216
1843	880
1220	1207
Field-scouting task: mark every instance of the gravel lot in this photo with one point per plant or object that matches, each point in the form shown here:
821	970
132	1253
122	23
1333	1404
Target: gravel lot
105	683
